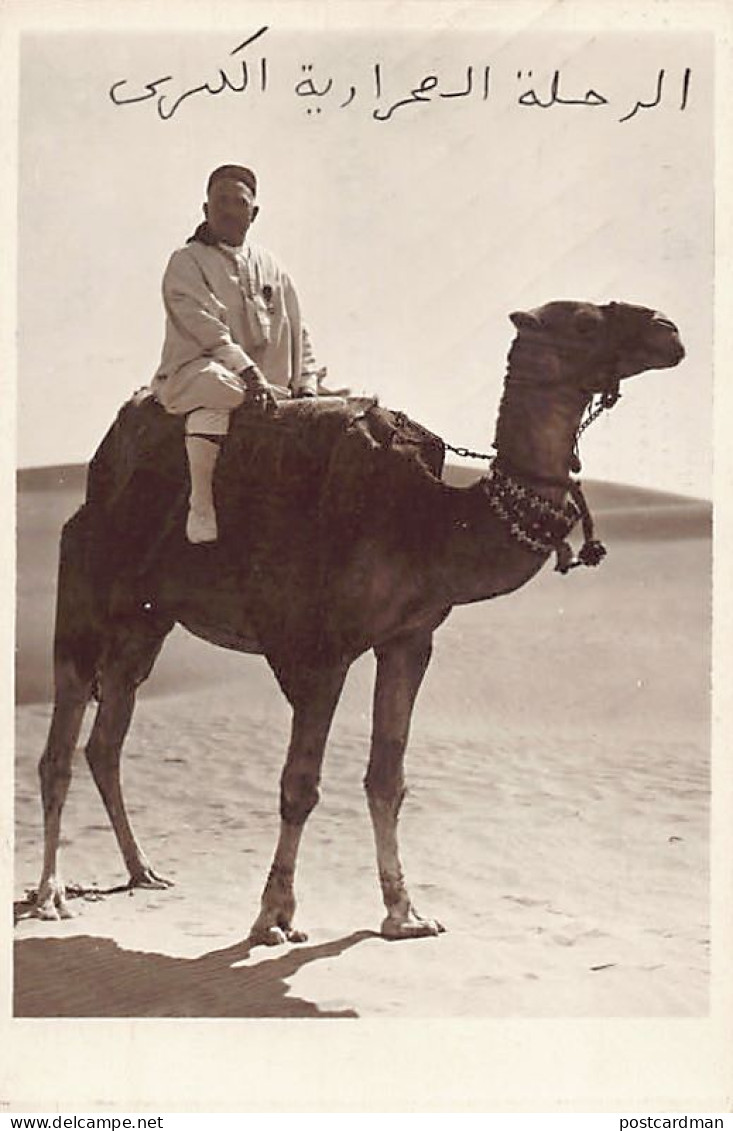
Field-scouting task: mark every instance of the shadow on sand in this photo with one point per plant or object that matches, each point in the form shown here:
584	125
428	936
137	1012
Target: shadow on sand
94	977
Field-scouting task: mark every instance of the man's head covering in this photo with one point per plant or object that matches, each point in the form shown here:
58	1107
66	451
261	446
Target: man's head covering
235	173
239	173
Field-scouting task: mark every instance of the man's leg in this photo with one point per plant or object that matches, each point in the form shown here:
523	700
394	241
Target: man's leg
202	456
205	431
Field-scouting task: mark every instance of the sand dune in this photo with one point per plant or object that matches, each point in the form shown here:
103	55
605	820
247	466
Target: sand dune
557	820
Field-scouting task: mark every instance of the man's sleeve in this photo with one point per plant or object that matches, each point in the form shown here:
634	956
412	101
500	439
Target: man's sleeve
308	378
305	371
198	314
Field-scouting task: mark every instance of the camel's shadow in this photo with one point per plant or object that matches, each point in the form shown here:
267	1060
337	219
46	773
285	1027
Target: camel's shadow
94	977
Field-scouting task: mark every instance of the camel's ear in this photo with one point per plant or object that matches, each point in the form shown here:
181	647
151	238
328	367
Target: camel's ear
525	320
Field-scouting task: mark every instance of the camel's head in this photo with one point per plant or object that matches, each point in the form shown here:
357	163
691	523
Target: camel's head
594	347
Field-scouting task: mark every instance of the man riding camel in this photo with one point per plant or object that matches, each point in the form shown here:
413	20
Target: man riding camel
233	332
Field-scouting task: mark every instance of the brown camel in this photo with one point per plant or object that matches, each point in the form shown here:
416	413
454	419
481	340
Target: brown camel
337	535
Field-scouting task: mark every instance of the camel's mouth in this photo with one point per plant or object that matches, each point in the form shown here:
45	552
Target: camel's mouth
678	353
655	344
666	357
671	349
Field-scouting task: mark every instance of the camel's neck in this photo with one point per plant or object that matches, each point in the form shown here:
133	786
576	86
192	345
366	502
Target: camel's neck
537	425
535	441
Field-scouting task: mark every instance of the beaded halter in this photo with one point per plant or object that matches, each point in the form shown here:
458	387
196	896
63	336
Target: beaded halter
531	519
536	523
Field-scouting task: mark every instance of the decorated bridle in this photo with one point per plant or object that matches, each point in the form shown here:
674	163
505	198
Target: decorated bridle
531	519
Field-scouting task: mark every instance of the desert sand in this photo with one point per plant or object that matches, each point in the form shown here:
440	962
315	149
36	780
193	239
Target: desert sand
556	821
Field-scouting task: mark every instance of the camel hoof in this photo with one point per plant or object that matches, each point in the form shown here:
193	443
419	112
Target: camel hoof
276	936
411	928
150	881
296	936
53	909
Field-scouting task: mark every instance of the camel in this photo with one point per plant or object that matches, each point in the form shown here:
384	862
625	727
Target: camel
337	536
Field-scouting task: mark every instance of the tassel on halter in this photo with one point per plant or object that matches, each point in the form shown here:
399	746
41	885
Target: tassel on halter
592	552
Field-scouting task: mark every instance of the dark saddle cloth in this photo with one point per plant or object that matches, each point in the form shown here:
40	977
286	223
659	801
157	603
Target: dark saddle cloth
316	457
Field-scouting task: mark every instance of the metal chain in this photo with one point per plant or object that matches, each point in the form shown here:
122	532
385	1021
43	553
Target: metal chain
593	414
466	453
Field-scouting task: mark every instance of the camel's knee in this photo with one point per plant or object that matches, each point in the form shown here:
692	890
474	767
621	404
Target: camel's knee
110	726
73	677
385	782
55	763
299	795
385	804
101	759
55	777
52	768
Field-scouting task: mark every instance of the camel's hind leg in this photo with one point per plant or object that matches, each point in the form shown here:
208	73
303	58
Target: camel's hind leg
132	650
73	692
314	695
77	645
401	666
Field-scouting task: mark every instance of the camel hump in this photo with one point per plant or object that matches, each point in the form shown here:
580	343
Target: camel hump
315	428
305	438
143	438
378	456
318	459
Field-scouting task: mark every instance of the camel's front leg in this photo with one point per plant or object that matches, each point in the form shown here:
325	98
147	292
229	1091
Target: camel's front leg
314	703
401	666
133	652
103	753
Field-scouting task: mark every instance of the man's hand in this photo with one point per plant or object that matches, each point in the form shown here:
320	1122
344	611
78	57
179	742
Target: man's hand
259	394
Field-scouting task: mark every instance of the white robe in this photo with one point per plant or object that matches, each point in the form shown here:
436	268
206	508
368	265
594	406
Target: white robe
227	309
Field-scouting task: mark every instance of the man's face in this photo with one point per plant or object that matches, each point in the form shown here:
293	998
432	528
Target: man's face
229	210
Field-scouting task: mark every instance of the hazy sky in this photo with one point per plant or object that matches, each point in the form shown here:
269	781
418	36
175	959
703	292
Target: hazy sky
412	230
